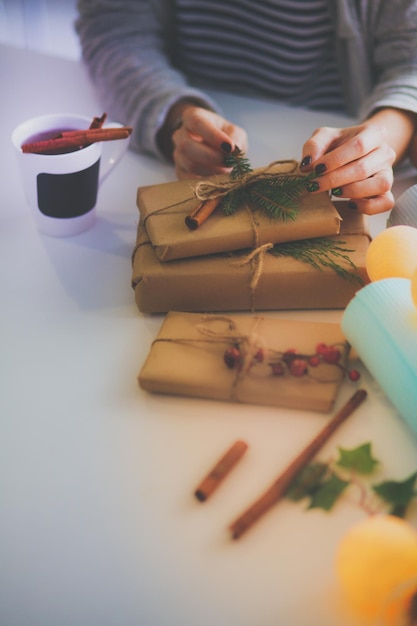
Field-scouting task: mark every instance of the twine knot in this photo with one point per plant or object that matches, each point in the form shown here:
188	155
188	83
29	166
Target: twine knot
218	187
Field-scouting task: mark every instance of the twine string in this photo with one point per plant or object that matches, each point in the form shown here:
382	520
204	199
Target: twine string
249	344
217	188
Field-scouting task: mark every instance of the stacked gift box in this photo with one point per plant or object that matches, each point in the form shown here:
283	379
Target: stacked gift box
246	261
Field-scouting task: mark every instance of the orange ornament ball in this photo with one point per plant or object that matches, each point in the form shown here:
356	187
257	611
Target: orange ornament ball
392	253
376	564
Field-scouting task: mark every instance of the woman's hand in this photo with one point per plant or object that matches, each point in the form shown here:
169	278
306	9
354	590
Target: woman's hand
355	163
201	142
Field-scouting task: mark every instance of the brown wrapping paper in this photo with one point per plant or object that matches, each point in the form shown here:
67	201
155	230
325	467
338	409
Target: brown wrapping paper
221	283
187	358
164	207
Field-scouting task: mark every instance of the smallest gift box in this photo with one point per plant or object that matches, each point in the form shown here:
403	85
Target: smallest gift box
163	209
249	359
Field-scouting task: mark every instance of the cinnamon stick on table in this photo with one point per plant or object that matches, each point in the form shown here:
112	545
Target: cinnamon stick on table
283	482
220	470
202	212
77	138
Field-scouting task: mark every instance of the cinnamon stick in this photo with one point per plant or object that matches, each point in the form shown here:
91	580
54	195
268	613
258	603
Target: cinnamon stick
201	213
77	138
98	121
220	470
279	488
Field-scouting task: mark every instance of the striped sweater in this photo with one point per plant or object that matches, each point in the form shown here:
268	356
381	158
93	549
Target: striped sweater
277	49
143	55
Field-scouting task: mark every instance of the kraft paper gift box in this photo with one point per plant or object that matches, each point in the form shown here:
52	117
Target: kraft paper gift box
234	283
164	207
187	359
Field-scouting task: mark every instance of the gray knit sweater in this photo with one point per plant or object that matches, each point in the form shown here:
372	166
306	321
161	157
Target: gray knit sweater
128	48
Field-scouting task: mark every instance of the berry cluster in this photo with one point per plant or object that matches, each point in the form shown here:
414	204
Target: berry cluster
289	362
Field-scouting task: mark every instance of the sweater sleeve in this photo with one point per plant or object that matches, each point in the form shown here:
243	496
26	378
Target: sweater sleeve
394	56
126	46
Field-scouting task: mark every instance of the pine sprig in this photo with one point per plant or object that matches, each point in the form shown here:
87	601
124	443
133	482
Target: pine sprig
277	196
320	253
231	202
239	163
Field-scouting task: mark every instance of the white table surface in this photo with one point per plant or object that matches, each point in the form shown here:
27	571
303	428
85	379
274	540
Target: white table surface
98	524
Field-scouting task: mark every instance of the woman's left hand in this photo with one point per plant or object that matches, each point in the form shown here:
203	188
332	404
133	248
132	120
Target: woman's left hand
355	163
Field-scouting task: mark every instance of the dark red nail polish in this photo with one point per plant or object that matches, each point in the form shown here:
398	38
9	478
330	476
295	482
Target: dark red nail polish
226	147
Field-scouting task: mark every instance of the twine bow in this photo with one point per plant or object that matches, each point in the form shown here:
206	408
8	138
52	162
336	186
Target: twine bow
218	188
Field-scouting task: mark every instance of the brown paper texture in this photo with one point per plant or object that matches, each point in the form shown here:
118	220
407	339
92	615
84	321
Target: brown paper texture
186	361
219	283
164	207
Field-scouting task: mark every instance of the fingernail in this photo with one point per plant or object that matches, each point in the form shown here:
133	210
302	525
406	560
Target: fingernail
313	186
320	169
306	161
352	205
337	191
226	147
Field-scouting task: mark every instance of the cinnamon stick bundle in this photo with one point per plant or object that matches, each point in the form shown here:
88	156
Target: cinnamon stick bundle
77	138
280	486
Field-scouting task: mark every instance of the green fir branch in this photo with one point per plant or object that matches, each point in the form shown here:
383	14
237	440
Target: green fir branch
320	253
232	201
277	196
239	163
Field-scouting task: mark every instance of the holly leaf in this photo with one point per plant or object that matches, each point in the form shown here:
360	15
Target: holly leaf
358	459
328	492
307	482
397	493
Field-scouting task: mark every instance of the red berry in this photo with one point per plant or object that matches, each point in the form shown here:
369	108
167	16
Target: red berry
259	355
290	351
331	355
277	369
298	367
354	375
314	361
321	348
232	357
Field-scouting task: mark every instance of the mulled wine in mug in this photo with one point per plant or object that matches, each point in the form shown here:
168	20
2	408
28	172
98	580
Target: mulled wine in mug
62	169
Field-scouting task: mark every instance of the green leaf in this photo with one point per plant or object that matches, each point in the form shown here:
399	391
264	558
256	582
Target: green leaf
358	459
397	493
327	494
307	482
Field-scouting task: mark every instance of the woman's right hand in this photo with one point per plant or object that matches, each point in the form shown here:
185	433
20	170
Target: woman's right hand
201	142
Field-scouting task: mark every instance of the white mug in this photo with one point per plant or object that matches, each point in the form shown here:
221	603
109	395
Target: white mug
62	189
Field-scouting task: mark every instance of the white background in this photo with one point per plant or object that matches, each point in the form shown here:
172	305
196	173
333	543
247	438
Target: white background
41	25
